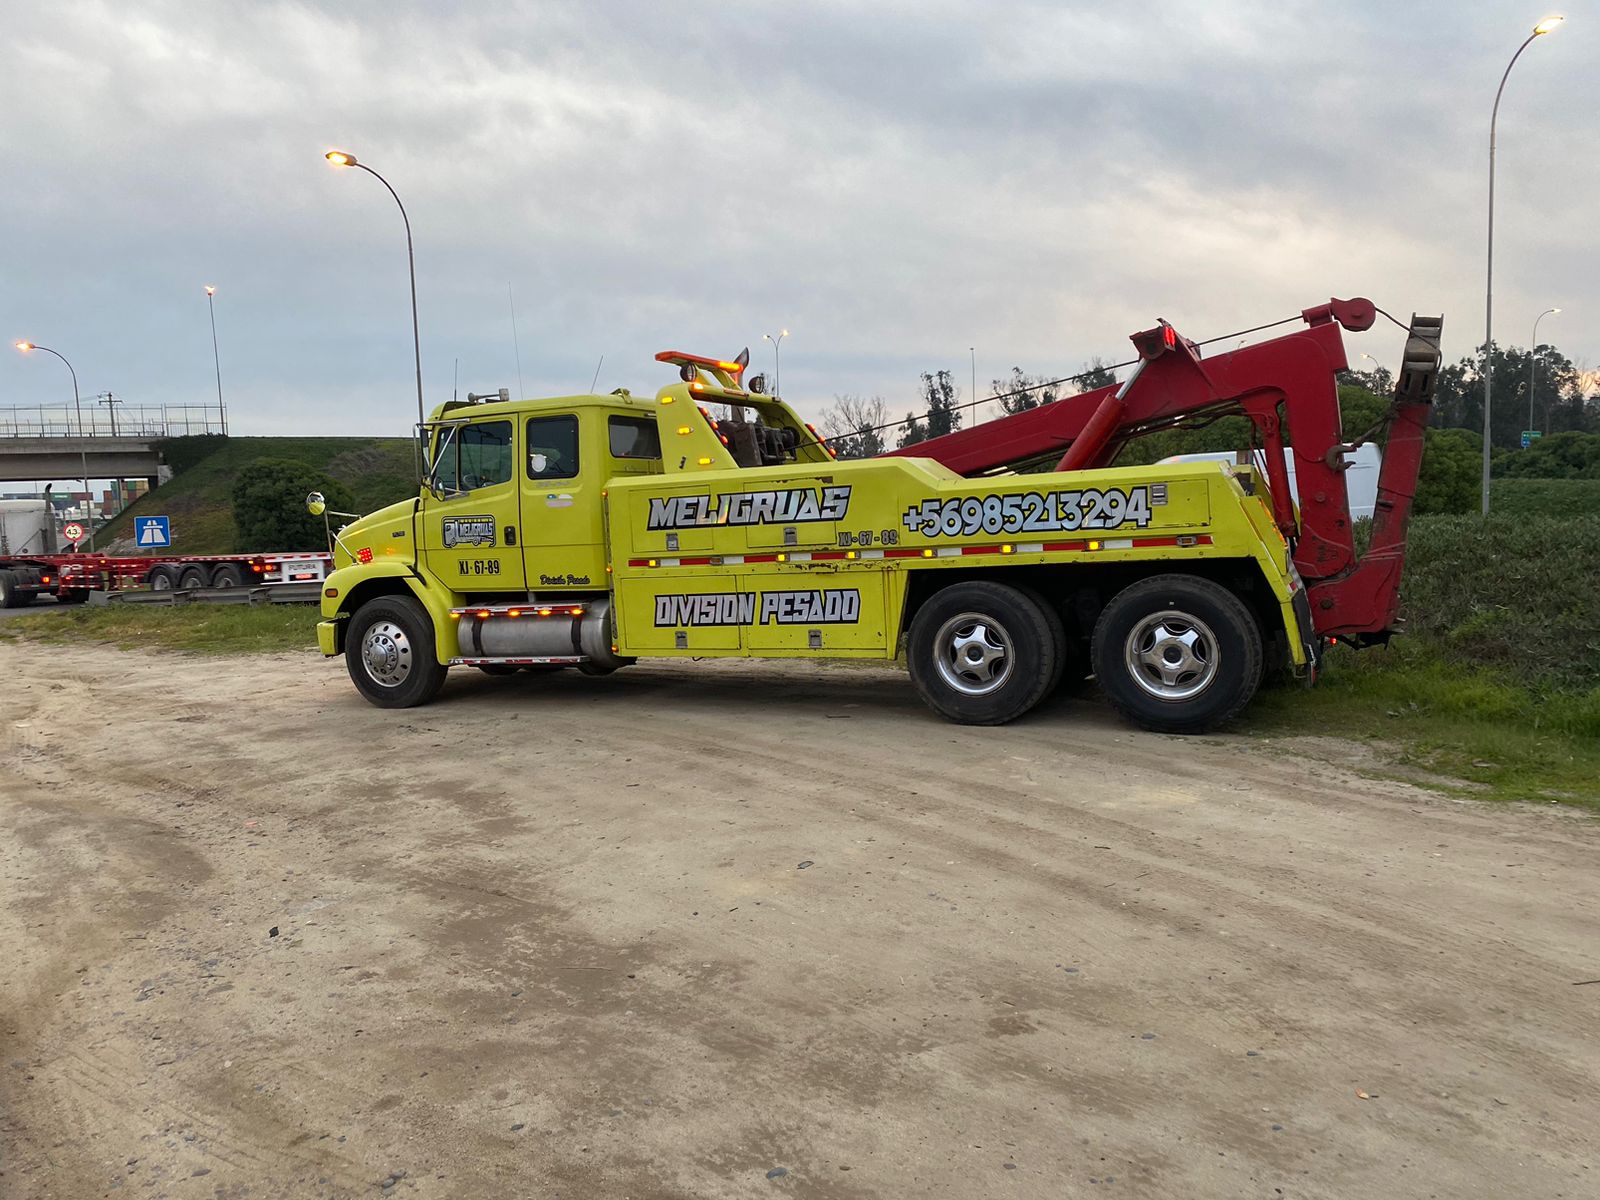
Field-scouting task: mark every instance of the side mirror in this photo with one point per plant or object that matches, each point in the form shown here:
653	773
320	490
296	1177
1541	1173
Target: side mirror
315	504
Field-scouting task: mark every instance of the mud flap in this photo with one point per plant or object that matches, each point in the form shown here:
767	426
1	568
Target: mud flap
1309	671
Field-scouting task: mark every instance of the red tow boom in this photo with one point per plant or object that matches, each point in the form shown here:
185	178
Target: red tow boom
1286	386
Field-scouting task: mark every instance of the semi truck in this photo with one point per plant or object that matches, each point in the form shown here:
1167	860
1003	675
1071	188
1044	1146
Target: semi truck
1006	560
34	562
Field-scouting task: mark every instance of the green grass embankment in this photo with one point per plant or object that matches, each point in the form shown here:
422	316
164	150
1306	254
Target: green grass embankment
199	628
199	496
1496	679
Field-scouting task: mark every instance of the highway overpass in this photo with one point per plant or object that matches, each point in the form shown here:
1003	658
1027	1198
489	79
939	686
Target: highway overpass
94	457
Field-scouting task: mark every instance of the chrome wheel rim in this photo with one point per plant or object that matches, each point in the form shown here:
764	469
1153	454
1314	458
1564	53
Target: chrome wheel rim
1172	655
161	583
386	654
973	654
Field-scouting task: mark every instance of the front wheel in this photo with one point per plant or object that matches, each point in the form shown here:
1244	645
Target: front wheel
390	653
1177	653
983	653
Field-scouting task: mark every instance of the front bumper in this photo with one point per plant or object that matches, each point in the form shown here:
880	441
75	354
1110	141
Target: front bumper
329	637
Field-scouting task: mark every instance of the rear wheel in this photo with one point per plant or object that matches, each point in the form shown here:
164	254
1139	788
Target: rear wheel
390	653
228	575
1177	653
194	577
162	578
983	653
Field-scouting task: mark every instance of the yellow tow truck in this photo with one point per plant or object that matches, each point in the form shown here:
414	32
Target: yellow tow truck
711	521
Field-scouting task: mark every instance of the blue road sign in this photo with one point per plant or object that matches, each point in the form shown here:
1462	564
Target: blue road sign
152	532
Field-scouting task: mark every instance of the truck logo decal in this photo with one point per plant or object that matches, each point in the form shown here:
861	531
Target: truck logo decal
831	606
468	531
784	506
1034	512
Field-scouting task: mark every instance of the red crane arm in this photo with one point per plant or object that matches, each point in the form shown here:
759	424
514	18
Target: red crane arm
1287	387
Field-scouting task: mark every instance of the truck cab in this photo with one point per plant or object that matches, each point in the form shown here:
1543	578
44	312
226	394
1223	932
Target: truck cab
512	502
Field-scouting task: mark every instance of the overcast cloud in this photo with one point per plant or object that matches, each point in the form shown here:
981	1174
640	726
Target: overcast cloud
893	182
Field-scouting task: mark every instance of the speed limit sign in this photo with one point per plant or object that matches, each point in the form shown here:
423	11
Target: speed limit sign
72	531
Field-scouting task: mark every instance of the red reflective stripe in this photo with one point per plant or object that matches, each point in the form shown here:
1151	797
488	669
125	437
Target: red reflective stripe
638	562
760	558
980	549
1060	547
827	555
902	553
696	562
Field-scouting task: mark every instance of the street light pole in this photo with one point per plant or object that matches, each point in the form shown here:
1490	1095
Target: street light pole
216	357
340	159
777	370
83	452
1533	362
1543	27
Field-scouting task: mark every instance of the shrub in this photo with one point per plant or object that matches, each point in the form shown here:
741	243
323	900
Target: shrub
1553	497
269	505
1515	593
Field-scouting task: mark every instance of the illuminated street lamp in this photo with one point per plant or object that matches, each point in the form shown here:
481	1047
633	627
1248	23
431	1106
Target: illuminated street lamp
1533	361
1543	27
340	159
777	377
216	358
77	404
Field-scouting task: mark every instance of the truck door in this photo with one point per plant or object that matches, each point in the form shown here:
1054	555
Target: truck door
562	474
471	526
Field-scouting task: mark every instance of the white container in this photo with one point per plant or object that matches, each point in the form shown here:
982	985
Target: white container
25	527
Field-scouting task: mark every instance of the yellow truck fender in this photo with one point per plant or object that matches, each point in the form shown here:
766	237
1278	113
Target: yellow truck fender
348	588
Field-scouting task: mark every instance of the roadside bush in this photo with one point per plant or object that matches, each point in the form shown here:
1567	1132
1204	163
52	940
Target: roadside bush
1555	497
1515	593
269	505
1559	456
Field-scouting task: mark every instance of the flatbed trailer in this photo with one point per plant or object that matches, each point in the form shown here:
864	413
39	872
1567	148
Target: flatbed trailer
70	577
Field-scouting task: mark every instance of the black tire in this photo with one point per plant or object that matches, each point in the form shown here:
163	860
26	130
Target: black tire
228	575
497	668
403	639
983	653
76	596
193	577
1058	635
8	590
1177	653
596	669
162	578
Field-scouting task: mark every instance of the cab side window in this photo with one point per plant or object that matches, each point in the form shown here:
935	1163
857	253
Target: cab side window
634	437
553	447
478	456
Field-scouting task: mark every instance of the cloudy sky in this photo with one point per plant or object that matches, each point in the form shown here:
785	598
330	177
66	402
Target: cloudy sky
892	182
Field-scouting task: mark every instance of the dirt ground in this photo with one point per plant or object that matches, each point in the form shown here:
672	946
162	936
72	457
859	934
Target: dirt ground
751	930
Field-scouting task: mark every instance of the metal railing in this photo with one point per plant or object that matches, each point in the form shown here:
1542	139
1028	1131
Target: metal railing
130	421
